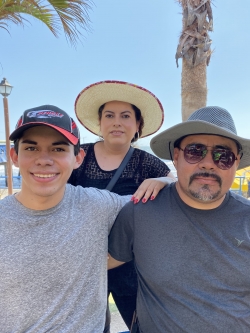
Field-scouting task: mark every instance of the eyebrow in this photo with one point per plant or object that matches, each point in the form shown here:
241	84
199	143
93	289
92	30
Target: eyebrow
121	112
219	146
57	143
223	147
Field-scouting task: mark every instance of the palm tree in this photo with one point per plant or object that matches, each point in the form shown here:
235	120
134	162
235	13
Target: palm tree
71	15
195	50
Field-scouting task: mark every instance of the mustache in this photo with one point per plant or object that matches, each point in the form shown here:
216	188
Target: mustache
205	175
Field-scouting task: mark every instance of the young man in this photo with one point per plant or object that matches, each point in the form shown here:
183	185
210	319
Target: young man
192	245
53	239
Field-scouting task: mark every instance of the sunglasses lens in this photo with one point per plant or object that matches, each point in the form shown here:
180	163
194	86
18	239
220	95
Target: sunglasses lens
223	158
194	153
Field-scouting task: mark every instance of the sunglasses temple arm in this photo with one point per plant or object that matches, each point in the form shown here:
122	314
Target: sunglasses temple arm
170	152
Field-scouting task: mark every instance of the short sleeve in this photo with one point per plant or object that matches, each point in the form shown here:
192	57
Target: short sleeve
121	235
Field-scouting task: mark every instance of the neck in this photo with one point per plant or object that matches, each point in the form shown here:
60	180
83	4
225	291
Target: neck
109	157
37	202
115	149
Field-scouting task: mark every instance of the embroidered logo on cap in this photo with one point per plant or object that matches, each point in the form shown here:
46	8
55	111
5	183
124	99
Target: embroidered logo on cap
73	125
44	114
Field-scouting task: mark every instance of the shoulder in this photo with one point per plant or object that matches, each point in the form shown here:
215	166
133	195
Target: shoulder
87	146
148	156
9	206
6	201
151	160
94	196
239	200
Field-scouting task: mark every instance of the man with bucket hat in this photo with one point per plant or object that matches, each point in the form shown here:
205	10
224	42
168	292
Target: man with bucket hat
191	246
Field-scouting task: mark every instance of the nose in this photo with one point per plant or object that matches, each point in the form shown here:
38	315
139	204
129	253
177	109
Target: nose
44	159
117	121
207	162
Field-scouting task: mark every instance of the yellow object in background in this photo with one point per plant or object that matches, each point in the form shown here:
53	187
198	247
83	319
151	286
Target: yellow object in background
241	180
111	300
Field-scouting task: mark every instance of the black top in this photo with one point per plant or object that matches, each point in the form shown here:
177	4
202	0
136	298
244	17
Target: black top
141	166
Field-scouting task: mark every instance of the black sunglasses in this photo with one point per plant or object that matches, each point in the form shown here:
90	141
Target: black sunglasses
223	158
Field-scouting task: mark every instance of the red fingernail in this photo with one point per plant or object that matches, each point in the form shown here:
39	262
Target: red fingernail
135	201
152	197
132	199
144	200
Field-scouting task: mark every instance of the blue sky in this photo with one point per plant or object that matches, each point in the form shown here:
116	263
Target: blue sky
133	41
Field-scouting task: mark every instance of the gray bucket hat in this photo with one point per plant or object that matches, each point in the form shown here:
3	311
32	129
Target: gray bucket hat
208	120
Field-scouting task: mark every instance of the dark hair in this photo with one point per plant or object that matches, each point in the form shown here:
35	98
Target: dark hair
138	118
76	147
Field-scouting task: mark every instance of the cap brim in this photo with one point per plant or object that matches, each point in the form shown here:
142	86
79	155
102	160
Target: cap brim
19	131
92	97
164	141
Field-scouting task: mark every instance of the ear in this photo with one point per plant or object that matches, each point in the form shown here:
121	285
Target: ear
138	126
176	156
100	126
14	157
100	129
237	162
79	158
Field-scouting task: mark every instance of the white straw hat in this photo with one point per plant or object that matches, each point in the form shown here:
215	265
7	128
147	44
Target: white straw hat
212	120
92	97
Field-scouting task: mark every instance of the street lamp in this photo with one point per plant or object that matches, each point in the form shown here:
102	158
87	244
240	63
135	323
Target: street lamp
5	90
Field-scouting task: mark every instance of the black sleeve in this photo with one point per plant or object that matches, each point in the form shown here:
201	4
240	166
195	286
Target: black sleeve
121	236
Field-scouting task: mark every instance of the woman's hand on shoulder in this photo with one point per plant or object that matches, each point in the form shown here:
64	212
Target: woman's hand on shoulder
150	188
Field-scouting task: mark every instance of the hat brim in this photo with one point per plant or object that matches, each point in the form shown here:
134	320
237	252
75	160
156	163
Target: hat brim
19	131
162	143
92	97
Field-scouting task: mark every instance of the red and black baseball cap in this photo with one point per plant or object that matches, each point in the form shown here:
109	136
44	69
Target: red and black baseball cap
47	115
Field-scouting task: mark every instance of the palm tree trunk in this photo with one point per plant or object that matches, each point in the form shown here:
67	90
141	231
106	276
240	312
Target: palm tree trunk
194	49
193	88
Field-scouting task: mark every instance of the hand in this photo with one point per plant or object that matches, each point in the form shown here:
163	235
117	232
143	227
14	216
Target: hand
113	263
149	188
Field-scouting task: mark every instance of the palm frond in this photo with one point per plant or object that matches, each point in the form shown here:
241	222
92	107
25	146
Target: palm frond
195	43
71	15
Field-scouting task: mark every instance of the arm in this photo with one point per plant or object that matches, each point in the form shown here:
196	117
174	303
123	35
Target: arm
155	175
113	263
150	188
120	242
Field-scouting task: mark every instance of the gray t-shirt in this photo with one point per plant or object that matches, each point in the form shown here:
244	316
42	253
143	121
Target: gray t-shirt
53	263
193	265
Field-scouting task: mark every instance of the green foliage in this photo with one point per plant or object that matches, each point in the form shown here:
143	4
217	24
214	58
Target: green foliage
71	15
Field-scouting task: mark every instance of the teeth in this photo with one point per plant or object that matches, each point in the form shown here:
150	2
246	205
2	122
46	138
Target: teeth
44	176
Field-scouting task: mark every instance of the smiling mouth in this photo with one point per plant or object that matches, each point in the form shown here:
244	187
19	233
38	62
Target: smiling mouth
50	175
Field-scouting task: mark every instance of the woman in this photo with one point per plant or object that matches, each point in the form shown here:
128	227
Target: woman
120	113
